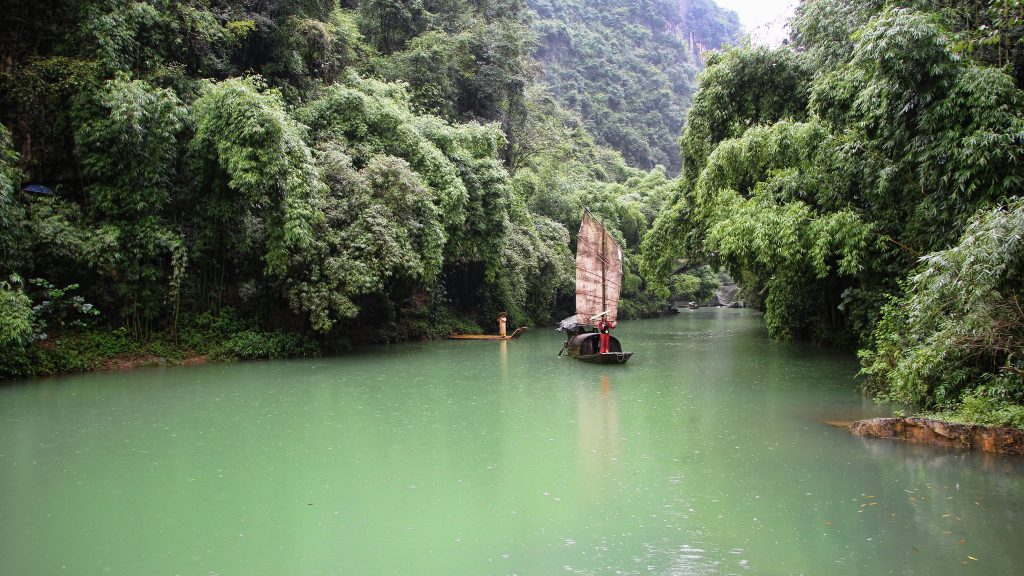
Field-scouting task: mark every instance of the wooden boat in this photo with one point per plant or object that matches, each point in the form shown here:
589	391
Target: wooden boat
598	283
586	348
513	335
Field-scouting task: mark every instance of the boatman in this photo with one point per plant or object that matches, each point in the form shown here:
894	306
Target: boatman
605	328
502	319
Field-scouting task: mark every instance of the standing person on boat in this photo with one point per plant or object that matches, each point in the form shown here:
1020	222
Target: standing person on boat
502	319
605	328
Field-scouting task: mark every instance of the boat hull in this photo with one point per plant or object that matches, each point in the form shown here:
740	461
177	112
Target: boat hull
586	348
606	358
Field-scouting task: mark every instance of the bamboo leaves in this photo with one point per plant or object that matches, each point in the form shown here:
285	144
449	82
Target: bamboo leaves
249	145
960	323
126	134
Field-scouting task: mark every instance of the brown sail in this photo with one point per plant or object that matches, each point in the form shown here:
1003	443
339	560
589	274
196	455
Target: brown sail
598	272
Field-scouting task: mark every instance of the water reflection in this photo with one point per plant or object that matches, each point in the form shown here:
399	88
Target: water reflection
503	360
598	429
938	457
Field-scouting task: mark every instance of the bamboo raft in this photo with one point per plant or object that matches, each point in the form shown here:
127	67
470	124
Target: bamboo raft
513	335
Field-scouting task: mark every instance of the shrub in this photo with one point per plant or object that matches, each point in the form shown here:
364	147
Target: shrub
978	408
255	345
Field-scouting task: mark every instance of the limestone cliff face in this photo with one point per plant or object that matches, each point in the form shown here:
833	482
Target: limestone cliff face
937	432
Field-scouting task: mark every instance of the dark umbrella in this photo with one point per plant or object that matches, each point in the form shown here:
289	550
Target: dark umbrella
37	189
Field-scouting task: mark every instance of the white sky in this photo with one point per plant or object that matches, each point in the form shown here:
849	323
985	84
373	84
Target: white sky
764	19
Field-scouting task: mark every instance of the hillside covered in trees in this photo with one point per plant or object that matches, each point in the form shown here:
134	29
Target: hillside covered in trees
864	184
261	179
628	67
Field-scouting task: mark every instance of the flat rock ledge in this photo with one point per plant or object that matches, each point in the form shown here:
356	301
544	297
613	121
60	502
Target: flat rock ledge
938	432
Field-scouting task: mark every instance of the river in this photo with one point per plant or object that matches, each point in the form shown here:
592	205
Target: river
705	454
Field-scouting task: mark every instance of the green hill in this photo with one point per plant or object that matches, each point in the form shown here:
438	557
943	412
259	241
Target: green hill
628	67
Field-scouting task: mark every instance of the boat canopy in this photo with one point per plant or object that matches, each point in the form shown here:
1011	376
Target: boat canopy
571	324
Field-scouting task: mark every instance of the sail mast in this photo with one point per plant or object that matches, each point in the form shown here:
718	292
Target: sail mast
604	281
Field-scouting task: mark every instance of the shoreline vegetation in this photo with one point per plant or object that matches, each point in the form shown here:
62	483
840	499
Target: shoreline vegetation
202	339
265	180
864	182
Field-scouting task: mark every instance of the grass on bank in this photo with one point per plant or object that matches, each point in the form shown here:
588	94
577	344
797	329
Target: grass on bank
978	409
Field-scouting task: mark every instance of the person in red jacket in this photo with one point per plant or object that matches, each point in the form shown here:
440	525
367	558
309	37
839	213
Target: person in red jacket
605	328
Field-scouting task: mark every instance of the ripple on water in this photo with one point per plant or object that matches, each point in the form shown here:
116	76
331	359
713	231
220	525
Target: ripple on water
689	560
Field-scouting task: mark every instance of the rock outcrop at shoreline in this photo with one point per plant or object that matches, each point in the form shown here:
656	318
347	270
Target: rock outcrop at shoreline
938	432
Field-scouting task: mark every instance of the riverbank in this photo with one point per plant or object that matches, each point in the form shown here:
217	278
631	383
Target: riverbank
216	338
149	360
97	351
993	439
204	338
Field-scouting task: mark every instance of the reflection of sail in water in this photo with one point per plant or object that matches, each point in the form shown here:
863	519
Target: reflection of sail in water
597	422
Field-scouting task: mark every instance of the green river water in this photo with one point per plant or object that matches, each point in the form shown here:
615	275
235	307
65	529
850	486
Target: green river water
705	454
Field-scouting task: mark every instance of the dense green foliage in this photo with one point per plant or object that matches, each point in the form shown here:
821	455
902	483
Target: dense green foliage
628	67
696	284
10	178
959	326
848	182
318	172
16	309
